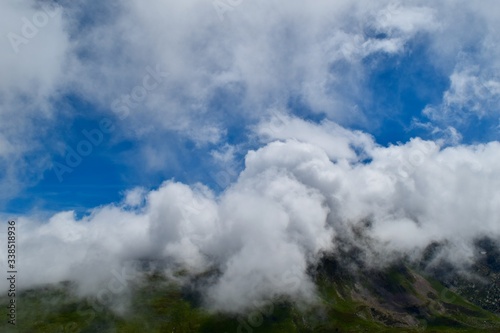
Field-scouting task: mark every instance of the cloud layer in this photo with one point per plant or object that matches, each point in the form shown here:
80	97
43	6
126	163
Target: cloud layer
287	208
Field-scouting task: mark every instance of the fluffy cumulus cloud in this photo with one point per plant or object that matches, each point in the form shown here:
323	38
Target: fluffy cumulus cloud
289	206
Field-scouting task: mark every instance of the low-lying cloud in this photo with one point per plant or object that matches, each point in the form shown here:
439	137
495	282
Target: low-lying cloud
285	210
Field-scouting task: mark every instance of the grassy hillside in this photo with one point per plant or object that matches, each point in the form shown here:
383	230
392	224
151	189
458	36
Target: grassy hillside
396	300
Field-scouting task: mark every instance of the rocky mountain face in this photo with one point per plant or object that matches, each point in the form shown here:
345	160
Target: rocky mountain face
481	283
402	297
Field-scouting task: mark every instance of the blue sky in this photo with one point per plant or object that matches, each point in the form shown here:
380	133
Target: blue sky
378	70
394	71
398	87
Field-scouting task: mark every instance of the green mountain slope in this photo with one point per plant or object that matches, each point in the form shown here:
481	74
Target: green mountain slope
397	299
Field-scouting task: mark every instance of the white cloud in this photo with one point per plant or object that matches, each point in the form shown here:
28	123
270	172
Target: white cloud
33	54
135	197
336	141
261	55
282	213
471	94
466	49
33	67
398	19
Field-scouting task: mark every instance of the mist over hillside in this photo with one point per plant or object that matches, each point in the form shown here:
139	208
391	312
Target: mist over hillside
293	203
